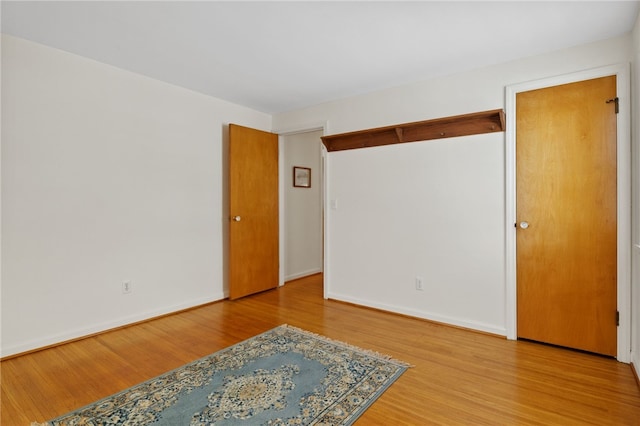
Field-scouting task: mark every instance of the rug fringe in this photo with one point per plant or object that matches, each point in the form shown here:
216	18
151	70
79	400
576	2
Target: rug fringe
369	352
40	424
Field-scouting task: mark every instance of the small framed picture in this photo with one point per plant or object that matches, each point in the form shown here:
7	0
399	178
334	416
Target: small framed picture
302	177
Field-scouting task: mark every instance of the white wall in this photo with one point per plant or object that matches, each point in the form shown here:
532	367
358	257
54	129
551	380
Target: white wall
432	209
110	176
303	206
106	176
635	134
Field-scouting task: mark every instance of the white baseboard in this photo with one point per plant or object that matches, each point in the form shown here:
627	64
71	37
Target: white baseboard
79	333
472	325
297	275
635	364
635	368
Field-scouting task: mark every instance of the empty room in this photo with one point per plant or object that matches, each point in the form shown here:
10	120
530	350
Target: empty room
270	213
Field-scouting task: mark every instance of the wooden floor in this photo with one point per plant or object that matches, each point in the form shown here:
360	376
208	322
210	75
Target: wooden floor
460	377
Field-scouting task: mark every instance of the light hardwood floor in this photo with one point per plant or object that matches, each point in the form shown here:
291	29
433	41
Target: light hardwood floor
459	376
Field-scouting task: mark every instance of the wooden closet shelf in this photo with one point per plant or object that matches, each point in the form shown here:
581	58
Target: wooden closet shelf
446	127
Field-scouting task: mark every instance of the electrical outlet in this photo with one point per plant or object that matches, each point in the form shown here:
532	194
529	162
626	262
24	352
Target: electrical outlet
127	287
419	283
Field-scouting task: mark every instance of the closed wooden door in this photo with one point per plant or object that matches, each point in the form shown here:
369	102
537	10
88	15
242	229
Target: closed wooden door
253	201
567	215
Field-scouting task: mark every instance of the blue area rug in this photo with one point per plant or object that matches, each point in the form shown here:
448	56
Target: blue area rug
284	376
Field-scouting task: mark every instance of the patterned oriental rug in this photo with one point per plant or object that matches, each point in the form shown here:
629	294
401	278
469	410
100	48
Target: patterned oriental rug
284	376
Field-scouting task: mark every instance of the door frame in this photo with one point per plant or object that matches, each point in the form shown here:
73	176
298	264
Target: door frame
622	73
324	159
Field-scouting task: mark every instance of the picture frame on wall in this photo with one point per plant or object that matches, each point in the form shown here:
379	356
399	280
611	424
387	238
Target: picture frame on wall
301	177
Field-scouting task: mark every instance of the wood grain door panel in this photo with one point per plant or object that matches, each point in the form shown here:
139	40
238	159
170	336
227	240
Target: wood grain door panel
253	199
566	191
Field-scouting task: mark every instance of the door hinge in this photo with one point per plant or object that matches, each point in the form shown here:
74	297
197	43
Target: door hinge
617	102
617	318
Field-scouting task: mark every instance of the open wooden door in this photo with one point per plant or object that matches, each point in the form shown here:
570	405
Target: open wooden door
253	203
567	215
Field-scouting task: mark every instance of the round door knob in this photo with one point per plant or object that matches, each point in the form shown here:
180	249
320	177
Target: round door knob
524	225
236	218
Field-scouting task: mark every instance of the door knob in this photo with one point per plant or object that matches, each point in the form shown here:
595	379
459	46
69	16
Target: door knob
236	218
524	225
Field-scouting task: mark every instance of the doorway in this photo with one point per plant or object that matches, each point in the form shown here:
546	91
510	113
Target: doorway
252	193
623	203
302	209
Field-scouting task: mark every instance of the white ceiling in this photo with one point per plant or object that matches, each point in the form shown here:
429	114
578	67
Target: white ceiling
280	56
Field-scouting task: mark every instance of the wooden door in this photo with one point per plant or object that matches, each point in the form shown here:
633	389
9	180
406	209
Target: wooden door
566	192
253	202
